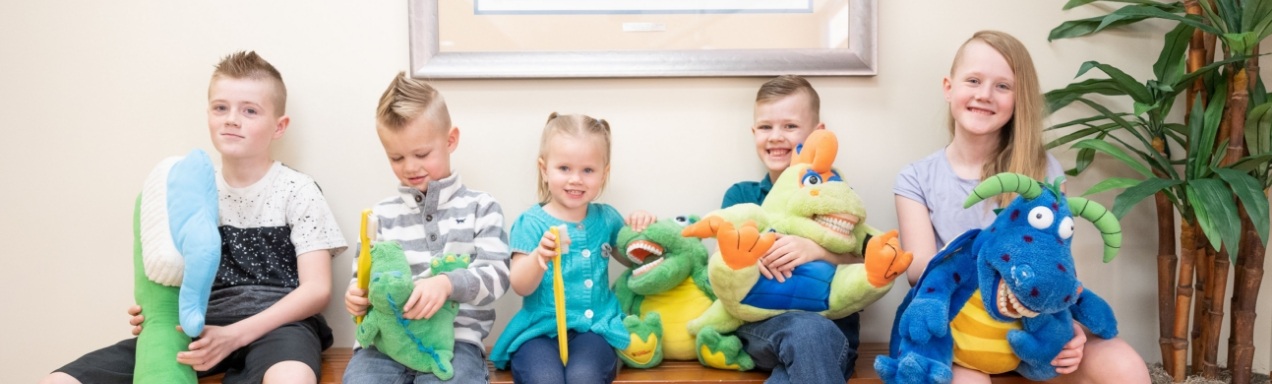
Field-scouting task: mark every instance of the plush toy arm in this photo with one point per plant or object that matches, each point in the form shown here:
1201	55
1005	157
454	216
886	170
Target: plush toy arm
924	319
628	301
193	204
1040	340
885	260
1096	314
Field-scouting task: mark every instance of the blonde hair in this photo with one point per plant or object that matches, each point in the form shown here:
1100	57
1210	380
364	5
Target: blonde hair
249	65
408	98
577	126
788	85
1020	147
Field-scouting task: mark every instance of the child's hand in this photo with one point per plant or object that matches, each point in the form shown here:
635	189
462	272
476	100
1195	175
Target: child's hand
639	220
787	253
1068	359
356	300
136	319
547	247
428	297
212	346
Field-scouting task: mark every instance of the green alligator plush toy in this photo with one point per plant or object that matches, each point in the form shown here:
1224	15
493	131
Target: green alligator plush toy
809	200
176	251
667	285
425	345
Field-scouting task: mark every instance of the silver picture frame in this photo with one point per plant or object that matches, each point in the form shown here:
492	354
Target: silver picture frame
428	61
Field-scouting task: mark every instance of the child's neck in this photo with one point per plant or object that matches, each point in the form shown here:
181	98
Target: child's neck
969	154
240	173
565	214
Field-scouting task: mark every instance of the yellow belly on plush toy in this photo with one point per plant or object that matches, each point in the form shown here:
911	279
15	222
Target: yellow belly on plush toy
980	342
677	306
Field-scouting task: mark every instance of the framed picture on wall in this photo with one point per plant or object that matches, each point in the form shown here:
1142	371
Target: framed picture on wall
473	39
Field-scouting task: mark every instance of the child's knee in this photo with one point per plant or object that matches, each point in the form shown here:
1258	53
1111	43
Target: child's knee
290	371
59	378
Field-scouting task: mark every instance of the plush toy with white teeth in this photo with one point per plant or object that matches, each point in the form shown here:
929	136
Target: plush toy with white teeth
176	251
664	288
1002	298
809	200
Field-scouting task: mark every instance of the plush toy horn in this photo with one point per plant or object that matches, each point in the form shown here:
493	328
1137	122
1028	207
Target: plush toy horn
1109	228
1004	183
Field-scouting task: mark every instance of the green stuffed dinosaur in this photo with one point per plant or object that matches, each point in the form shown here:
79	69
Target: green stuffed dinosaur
667	285
809	200
176	252
425	345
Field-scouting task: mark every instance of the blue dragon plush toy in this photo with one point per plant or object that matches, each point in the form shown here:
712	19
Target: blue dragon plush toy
1002	298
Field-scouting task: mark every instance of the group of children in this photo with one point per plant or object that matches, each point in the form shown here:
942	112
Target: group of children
264	322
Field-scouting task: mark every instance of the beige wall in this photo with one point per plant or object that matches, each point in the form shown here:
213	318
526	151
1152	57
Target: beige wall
94	93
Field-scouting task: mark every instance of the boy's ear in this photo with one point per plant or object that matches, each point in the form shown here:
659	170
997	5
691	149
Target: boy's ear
281	126
820	125
452	139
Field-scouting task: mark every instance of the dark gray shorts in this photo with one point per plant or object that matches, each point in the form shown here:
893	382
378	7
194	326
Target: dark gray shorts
301	341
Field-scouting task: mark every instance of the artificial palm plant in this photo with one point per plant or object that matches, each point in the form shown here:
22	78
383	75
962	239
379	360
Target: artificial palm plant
1212	169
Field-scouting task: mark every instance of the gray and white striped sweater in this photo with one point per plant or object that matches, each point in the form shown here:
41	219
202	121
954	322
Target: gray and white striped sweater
452	219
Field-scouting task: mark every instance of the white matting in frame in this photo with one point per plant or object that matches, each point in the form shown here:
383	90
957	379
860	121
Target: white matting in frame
639	6
455	42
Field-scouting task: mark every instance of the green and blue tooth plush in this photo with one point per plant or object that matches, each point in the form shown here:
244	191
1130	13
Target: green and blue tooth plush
811	200
425	345
176	252
1002	298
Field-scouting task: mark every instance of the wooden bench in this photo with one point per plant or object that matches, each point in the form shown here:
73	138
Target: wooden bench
334	361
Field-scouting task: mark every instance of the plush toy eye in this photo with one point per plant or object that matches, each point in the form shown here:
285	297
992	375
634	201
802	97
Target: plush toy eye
1041	217
683	221
1066	228
811	178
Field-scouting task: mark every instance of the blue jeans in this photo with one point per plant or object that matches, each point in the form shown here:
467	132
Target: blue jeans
803	347
369	366
592	360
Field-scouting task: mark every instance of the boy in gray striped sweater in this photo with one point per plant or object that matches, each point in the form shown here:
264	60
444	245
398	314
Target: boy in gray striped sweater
432	215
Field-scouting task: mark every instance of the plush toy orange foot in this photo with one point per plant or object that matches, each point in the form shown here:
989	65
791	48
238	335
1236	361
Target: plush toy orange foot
885	260
741	247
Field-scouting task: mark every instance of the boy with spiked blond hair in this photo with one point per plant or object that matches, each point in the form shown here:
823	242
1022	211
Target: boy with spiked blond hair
277	239
433	214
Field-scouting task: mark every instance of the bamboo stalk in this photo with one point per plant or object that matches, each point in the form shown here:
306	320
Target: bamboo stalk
1199	53
1201	300
1214	314
1248	277
1167	261
1245	295
1183	297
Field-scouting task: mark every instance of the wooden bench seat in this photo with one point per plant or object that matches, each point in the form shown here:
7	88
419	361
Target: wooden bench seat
334	361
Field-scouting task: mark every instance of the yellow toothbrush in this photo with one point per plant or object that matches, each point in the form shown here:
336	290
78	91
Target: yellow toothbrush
364	258
558	293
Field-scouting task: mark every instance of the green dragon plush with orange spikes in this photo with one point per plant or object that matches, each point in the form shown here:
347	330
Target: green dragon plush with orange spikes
809	200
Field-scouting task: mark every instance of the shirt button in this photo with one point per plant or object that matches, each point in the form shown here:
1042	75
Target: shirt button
587	313
432	237
587	283
586	254
579	227
419	198
428	218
